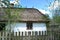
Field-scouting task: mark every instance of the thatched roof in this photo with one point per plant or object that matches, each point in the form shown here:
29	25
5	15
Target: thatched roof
22	14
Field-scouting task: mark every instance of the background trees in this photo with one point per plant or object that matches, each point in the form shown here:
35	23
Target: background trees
7	4
55	9
56	15
4	3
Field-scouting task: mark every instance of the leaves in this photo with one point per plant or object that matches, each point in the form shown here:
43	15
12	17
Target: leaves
5	2
13	14
56	19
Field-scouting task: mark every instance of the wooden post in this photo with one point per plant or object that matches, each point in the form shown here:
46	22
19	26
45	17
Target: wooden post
22	35
29	34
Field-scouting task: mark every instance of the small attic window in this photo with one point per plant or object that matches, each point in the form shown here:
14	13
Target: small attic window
29	25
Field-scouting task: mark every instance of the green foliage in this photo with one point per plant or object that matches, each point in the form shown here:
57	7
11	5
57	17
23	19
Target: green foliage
56	19
47	17
13	14
6	2
10	14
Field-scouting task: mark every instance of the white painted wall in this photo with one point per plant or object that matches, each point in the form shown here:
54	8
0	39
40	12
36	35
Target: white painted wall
22	27
16	27
39	27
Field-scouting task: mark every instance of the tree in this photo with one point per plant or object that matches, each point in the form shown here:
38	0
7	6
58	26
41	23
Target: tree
47	16
55	9
56	19
4	3
56	15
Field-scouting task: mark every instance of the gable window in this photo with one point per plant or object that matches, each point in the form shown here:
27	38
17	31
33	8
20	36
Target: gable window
29	25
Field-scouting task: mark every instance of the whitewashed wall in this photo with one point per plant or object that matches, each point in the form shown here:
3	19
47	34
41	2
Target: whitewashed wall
16	27
22	27
39	27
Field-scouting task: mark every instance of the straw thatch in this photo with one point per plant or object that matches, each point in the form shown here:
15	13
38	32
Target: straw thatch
22	14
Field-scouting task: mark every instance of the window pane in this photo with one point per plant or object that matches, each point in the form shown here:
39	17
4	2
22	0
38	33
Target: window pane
29	25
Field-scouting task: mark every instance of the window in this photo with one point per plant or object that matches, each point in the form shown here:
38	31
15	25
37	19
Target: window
29	25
